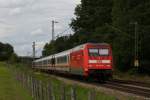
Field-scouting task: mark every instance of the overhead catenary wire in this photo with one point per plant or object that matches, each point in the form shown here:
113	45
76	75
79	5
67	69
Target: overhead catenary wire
61	33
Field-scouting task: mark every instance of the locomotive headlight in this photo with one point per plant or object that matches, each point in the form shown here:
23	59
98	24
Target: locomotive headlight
99	61
106	61
92	61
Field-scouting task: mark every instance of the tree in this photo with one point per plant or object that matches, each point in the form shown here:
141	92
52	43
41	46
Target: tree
13	58
91	14
125	12
5	51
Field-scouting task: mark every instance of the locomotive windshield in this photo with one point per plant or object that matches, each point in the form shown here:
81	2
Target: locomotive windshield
93	52
103	52
98	52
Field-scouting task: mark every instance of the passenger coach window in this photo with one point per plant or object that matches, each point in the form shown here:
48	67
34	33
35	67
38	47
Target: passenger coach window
103	52
93	52
62	59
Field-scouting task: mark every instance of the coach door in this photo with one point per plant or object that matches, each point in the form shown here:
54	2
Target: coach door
53	61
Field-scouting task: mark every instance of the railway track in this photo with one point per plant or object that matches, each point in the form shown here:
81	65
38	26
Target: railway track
129	87
142	84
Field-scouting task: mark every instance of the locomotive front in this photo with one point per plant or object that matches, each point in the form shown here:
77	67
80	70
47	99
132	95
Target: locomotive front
99	61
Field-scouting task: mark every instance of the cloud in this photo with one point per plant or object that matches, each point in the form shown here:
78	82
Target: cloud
25	21
40	44
15	11
28	52
2	21
15	3
20	49
6	30
78	1
37	32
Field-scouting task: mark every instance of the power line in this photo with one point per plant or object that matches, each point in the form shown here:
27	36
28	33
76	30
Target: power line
117	29
63	31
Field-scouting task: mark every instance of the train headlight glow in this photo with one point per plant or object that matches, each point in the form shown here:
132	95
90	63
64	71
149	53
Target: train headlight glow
106	61
99	61
92	61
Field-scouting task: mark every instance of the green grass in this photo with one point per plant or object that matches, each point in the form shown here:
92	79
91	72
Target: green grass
10	89
81	91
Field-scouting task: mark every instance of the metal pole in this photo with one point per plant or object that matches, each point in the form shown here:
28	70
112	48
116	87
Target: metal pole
136	61
52	30
33	46
136	41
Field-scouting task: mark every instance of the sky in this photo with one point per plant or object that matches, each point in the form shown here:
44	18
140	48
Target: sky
25	21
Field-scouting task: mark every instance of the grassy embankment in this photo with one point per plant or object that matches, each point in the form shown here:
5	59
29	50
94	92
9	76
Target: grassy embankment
81	91
10	89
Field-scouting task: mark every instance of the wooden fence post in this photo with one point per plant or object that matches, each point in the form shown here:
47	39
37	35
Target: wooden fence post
37	85
73	93
63	94
91	95
28	82
48	92
22	79
51	89
32	87
50	96
41	94
44	92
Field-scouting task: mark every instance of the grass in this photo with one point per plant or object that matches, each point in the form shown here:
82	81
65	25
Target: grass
10	89
81	91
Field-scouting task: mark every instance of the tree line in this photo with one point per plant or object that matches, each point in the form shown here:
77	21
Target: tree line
7	53
110	21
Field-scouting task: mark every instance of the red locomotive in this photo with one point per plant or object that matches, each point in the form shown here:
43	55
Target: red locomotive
87	60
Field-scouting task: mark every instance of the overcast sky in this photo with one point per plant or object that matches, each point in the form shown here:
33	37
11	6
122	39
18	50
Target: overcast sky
25	21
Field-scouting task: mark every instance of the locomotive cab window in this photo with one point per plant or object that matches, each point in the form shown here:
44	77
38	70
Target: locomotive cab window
103	52
93	52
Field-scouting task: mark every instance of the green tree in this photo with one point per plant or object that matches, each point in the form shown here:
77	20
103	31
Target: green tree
13	58
91	14
5	51
125	12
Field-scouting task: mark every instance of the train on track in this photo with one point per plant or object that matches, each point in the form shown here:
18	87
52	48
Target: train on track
87	60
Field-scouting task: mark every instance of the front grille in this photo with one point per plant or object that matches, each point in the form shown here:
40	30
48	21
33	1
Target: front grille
99	72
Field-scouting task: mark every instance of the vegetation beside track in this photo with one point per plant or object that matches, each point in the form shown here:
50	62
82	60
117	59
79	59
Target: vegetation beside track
9	88
81	90
131	75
